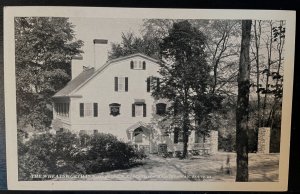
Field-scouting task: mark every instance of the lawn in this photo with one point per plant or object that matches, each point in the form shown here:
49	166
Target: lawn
262	168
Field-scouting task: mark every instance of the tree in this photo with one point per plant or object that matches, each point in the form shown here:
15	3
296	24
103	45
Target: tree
44	47
242	104
222	49
132	44
268	46
256	53
184	70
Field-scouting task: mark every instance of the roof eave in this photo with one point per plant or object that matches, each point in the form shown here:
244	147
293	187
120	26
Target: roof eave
68	96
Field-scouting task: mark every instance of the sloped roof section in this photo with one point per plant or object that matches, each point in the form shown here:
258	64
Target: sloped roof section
88	74
73	84
134	55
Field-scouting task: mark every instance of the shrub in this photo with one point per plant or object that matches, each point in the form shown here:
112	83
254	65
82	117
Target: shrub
50	154
30	165
63	154
108	153
227	143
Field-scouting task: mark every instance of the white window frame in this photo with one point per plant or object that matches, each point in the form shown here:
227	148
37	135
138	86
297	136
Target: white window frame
139	107
138	65
121	83
88	111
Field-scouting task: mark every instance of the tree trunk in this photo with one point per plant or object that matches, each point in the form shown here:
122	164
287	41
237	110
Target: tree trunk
185	133
242	105
257	34
185	123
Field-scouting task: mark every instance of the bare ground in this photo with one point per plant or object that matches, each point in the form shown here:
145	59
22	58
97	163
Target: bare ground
262	168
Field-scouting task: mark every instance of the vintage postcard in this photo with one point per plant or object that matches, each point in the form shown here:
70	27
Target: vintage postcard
148	99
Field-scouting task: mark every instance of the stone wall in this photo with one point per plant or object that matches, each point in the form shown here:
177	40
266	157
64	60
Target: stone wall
263	143
213	141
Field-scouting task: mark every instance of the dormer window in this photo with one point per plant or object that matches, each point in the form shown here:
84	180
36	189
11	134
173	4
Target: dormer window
137	64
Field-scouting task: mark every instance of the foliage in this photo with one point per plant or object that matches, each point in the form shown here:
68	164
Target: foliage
131	44
184	76
62	154
227	143
29	165
107	153
44	47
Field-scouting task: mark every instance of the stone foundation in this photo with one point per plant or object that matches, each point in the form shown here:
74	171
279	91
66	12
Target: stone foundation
263	142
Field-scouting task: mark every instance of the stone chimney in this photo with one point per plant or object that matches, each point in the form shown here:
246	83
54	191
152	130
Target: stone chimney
76	65
100	52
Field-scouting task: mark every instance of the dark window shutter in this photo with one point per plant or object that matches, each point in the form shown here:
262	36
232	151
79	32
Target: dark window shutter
158	84
175	108
176	134
144	110
81	110
126	84
148	84
131	64
116	84
133	110
144	65
95	109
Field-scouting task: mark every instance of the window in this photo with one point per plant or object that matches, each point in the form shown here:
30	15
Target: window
114	109
138	65
139	110
155	81
161	108
177	135
121	84
88	109
62	109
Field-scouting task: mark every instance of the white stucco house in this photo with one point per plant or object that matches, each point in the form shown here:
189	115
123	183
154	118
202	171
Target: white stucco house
114	96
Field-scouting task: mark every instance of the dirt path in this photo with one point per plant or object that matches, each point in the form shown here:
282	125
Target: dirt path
201	168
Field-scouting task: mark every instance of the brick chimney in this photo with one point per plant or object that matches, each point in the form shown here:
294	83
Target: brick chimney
76	65
100	52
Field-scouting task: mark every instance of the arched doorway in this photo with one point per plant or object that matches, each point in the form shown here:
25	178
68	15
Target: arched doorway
139	135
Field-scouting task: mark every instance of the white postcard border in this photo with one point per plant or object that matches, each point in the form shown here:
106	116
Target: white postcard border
92	12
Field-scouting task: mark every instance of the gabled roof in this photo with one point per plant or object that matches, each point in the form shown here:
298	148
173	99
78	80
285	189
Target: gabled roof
88	74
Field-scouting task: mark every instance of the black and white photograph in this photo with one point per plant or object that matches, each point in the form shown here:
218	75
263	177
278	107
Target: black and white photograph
127	96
